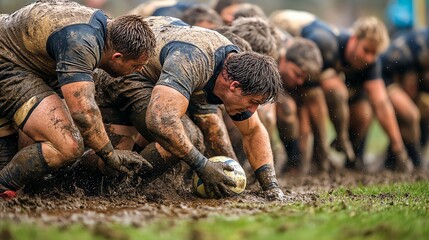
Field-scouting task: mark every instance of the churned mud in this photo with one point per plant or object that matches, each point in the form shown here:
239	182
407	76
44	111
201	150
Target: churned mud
95	200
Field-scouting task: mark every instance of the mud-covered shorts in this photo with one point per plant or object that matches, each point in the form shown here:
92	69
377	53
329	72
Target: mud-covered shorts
20	92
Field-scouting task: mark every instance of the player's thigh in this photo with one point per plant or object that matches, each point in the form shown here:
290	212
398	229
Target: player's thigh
405	109
360	116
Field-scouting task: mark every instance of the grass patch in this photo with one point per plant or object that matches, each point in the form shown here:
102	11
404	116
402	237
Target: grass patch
398	211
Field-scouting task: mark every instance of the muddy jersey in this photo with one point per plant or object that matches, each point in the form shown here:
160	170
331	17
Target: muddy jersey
54	40
187	59
332	45
408	53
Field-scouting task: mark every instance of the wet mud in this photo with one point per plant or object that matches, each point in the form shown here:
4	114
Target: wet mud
94	201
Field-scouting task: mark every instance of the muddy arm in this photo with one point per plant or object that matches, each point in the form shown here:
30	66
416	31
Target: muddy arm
256	141
165	109
383	109
215	134
80	100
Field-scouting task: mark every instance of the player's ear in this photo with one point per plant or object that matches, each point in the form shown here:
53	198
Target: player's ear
116	55
234	85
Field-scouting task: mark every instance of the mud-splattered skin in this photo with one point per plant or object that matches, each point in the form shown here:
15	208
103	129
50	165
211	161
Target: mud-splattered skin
46	46
188	78
186	59
87	116
215	134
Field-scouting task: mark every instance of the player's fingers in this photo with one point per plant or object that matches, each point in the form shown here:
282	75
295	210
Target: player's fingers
225	191
227	167
228	181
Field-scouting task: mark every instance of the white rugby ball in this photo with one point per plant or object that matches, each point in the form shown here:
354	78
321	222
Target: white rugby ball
238	175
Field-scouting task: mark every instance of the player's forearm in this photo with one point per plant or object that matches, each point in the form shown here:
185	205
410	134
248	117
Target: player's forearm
214	131
169	132
257	148
87	117
387	119
319	116
339	114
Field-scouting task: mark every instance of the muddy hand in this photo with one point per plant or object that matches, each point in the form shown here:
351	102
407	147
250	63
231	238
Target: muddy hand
345	146
215	180
127	161
274	194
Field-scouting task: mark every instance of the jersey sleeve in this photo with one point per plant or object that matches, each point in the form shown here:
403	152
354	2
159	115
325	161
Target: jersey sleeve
328	46
185	68
395	61
77	51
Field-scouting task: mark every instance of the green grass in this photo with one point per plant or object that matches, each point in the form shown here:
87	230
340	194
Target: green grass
399	211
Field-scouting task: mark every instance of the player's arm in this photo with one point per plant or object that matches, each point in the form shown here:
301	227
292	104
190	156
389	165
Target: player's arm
337	96
215	133
377	95
385	113
164	112
256	144
85	113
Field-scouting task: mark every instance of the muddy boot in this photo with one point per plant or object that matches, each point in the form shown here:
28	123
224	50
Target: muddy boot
389	162
414	153
403	163
27	165
358	164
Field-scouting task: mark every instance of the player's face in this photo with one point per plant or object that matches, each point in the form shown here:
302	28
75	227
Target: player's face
227	13
361	53
291	74
119	66
236	103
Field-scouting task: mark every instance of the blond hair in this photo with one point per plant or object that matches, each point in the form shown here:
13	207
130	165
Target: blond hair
372	29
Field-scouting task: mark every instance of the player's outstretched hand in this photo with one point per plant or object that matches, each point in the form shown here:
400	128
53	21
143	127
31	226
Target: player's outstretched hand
127	161
215	180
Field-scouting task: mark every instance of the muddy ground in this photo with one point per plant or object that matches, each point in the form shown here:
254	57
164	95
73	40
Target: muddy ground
63	200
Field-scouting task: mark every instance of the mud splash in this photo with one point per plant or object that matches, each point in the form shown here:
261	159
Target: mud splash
169	197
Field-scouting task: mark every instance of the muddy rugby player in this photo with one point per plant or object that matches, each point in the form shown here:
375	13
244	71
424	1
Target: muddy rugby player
196	69
355	54
302	109
257	32
405	72
49	49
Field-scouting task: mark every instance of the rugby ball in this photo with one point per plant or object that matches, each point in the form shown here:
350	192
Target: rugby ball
238	175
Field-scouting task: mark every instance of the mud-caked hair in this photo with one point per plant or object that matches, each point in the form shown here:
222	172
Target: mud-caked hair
372	29
201	13
306	55
234	38
249	10
257	74
131	36
258	33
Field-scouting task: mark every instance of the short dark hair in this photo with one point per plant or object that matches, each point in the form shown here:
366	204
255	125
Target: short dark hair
306	55
234	38
200	13
131	36
256	73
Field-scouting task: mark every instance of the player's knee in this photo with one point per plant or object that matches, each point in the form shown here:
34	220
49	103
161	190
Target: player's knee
414	117
72	149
